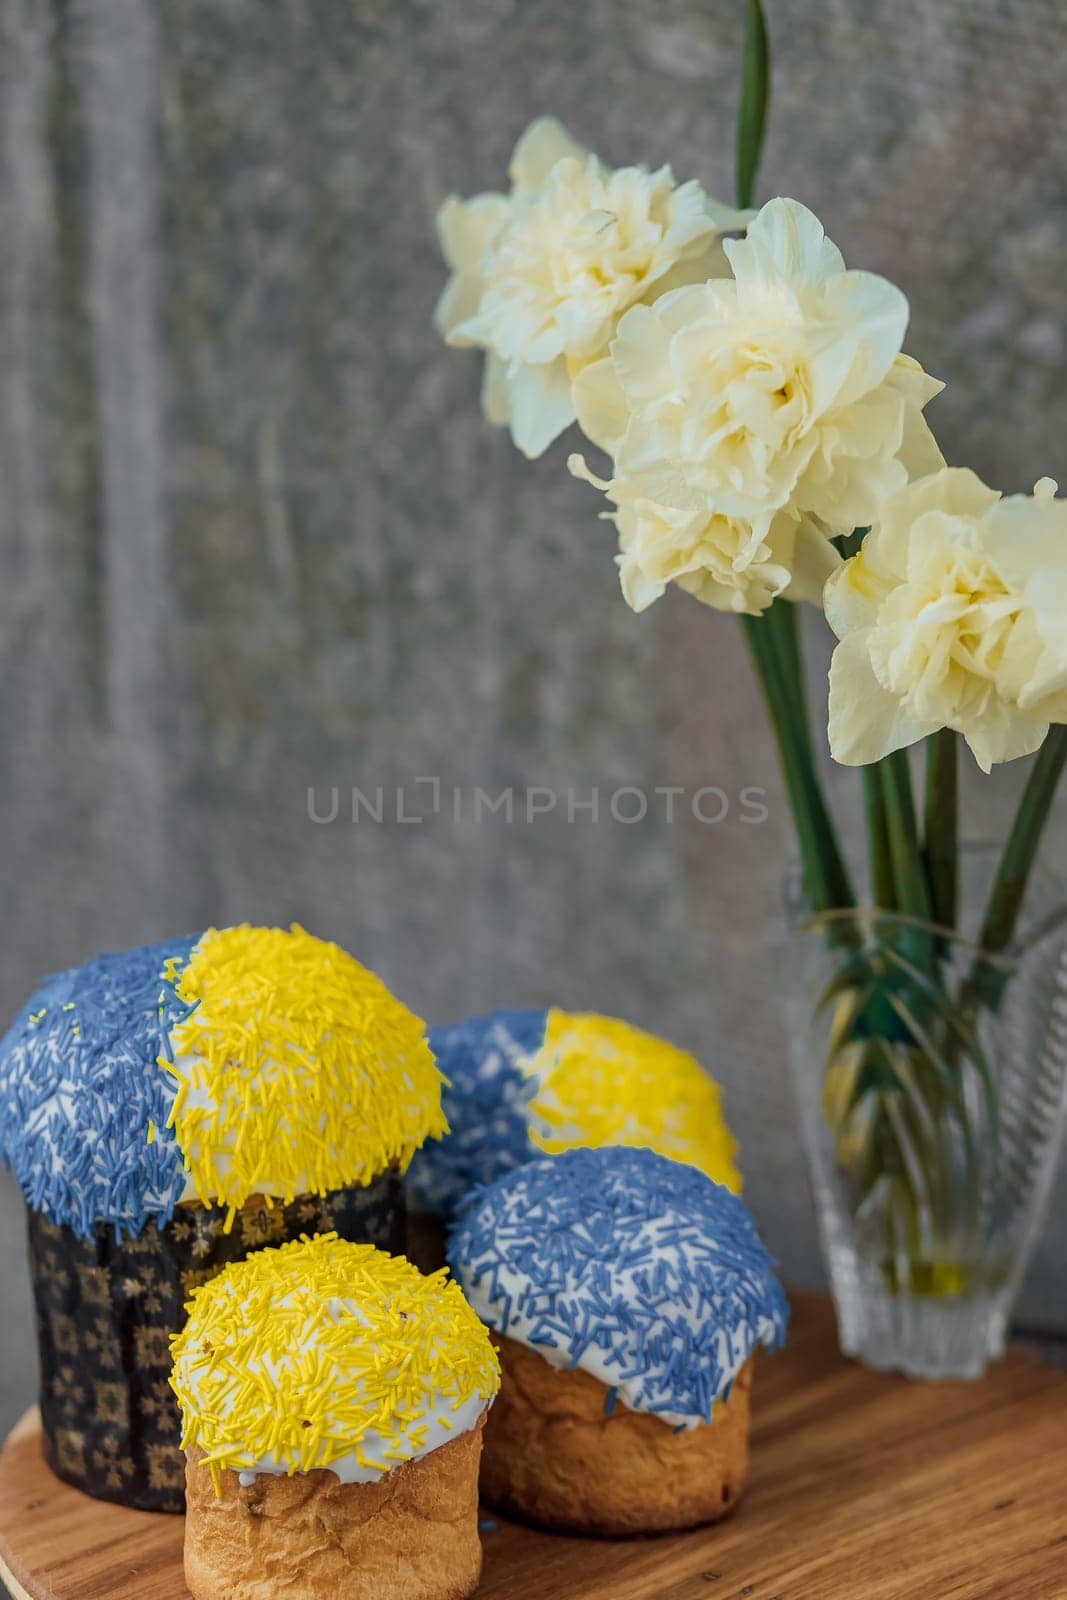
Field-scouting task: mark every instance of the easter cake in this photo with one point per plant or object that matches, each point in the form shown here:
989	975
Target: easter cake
628	1294
333	1400
525	1083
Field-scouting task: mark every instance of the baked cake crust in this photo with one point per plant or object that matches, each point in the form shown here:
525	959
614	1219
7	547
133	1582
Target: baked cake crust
554	1458
412	1535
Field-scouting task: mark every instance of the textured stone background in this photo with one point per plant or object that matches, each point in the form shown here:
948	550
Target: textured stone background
256	536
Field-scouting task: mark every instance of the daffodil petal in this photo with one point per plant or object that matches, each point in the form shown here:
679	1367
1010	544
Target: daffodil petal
540	405
866	722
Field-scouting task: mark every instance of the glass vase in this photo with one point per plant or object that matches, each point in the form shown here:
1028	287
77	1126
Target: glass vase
931	1085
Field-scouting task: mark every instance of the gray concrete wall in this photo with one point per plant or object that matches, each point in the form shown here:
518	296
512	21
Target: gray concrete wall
256	536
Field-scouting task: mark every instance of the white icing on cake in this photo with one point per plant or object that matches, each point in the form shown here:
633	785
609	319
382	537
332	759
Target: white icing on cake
441	1423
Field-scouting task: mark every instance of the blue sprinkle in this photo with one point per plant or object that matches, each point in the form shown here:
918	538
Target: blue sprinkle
487	1527
644	1260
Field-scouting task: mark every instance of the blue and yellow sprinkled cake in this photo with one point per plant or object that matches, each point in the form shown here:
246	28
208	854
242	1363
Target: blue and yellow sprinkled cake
166	1111
628	1294
522	1083
326	1385
248	1061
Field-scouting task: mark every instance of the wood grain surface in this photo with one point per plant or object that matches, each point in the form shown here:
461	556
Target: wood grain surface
864	1487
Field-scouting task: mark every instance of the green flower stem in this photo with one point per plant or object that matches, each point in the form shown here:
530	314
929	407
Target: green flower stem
883	889
755	98
909	877
826	880
781	619
941	826
1009	886
910	891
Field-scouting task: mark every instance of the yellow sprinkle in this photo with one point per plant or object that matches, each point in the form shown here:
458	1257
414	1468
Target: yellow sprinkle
298	1065
602	1082
303	1351
151	1131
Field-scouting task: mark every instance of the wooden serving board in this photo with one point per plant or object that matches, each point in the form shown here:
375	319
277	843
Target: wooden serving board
863	1487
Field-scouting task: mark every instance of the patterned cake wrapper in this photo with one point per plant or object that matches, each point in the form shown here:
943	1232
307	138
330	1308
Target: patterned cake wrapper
427	1236
106	1309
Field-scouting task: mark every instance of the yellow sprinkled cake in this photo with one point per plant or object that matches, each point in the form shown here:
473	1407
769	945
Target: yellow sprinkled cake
329	1385
601	1081
296	1070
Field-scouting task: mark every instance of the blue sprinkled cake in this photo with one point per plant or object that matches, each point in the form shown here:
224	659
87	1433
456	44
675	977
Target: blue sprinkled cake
486	1102
79	1086
628	1294
639	1270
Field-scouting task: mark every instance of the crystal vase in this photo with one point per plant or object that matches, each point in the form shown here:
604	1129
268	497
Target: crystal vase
931	1085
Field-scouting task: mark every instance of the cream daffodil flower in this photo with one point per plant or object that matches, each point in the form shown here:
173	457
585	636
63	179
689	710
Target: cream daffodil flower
952	615
724	562
778	400
542	275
